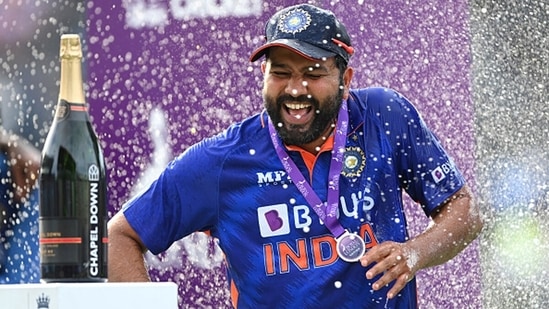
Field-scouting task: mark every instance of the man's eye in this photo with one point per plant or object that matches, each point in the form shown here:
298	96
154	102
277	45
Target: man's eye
313	76
280	74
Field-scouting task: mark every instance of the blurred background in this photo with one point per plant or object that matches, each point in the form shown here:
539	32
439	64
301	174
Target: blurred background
477	70
510	82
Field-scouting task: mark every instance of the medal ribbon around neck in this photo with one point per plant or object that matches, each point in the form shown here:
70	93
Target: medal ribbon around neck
326	211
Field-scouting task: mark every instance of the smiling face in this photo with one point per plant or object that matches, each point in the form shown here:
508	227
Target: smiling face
302	96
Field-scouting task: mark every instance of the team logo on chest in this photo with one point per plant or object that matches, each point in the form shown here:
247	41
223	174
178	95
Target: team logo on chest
354	162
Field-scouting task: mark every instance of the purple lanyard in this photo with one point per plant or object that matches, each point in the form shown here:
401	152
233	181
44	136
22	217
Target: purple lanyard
326	211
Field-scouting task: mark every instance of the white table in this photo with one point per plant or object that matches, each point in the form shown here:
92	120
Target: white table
158	295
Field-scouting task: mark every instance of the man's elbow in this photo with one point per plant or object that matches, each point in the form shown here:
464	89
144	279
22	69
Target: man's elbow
122	235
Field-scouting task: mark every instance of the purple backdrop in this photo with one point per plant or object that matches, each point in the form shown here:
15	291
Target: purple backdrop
189	60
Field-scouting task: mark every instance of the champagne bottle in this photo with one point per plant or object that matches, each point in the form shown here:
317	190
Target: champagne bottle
73	192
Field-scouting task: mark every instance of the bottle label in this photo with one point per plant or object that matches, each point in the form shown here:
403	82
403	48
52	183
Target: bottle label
59	241
64	109
75	233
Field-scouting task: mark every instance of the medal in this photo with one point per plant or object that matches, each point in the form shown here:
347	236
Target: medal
350	247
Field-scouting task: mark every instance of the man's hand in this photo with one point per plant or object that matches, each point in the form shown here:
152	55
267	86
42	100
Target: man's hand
456	223
395	261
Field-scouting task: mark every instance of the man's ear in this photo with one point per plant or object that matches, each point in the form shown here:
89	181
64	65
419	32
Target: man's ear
347	77
263	66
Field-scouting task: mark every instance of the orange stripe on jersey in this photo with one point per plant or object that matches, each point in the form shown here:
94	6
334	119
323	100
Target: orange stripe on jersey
234	295
310	158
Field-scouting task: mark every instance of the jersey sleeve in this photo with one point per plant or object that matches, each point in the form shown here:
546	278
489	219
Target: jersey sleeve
182	200
425	169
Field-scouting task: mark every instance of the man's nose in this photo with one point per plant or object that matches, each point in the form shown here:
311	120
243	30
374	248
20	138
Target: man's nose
296	86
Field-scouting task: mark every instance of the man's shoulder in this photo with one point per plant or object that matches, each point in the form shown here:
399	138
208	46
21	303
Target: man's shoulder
380	101
375	97
245	129
237	135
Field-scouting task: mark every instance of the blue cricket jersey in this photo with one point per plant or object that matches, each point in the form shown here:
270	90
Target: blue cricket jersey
278	253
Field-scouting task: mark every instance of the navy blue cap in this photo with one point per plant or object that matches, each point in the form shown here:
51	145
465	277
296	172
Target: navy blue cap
312	32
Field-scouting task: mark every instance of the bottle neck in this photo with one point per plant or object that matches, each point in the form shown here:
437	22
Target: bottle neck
71	88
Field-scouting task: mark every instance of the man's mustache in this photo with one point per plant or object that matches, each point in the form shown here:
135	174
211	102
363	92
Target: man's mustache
302	99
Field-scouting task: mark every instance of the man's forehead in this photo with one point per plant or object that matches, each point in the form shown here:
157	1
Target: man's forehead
280	56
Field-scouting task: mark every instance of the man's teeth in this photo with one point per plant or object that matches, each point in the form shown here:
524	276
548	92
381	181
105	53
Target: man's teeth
296	105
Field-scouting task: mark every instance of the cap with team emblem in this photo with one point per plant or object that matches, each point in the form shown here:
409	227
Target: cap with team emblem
310	31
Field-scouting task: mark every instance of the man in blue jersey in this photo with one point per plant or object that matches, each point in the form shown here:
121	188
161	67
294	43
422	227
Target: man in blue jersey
306	197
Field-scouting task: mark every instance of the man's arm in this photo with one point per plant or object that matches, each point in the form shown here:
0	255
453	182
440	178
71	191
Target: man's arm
126	260
456	223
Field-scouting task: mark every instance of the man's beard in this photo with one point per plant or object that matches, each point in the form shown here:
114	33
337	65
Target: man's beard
292	134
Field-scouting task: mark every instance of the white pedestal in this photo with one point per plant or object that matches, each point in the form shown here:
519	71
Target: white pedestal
160	295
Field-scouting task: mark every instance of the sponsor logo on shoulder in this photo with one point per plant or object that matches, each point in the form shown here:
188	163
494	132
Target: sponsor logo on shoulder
440	172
